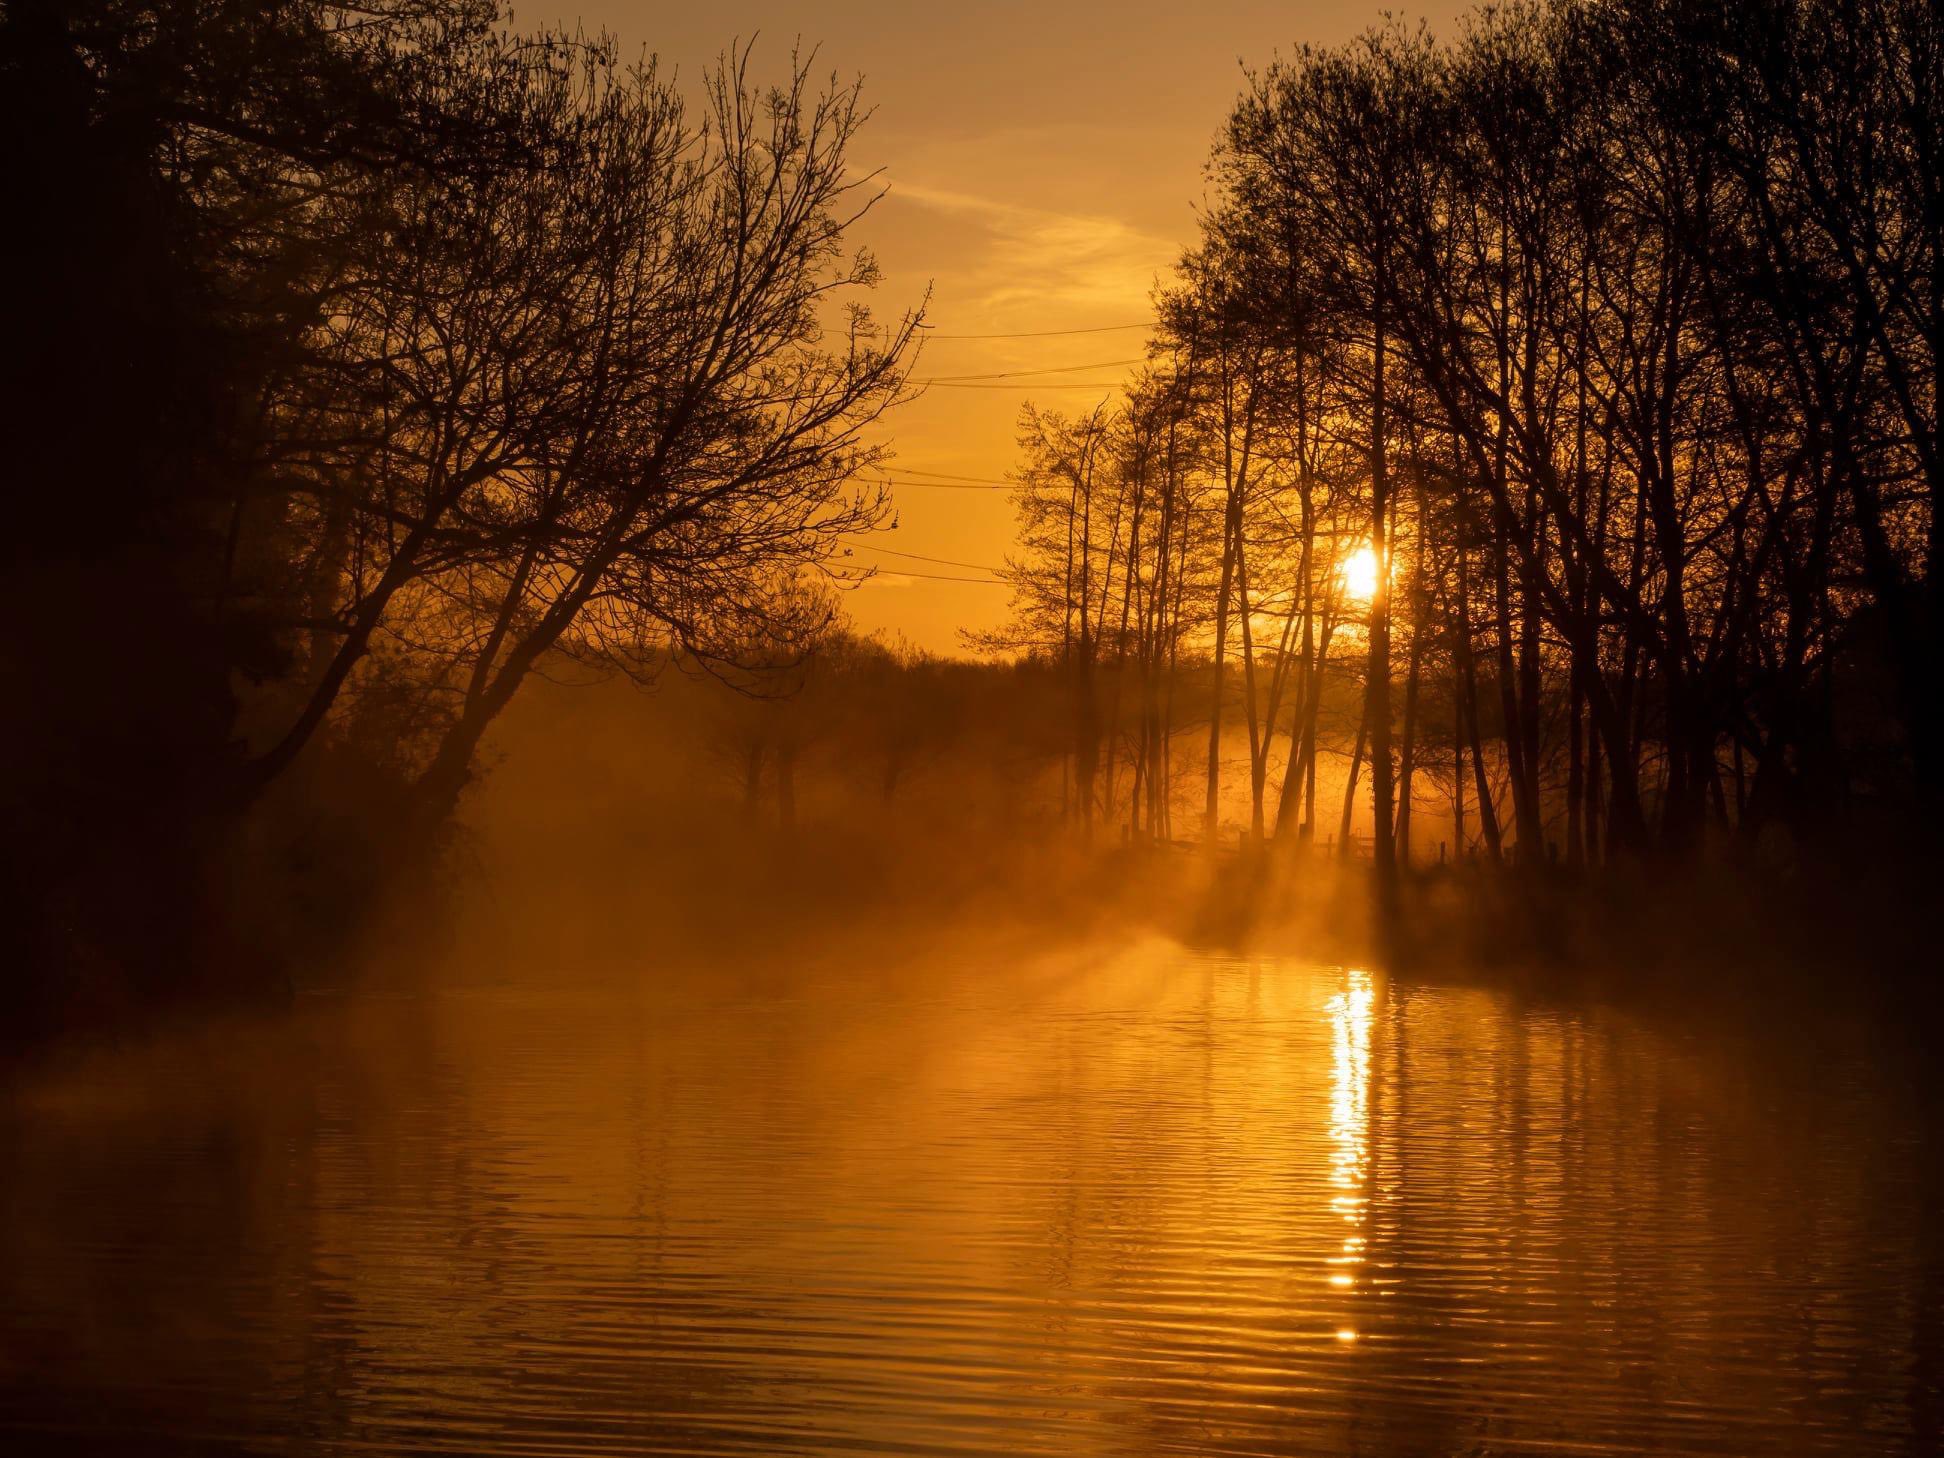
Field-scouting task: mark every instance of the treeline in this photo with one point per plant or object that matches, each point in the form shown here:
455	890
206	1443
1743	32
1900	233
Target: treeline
360	359
860	736
1571	389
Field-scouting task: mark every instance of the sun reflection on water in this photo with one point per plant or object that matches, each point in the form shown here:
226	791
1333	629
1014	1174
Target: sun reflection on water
1350	1018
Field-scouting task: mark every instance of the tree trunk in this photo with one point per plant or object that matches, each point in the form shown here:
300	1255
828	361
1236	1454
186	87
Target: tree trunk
1377	704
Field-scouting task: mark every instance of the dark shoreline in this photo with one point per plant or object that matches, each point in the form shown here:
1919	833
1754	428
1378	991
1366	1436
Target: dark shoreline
1701	932
1705	934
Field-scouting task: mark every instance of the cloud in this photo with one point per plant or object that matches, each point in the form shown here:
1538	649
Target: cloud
1032	264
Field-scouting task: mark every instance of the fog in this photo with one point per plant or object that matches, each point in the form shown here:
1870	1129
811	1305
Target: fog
1404	925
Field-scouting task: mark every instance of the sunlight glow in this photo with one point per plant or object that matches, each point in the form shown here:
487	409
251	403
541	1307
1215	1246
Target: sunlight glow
1350	1013
1360	574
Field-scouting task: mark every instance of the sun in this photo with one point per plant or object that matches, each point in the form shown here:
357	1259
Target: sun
1360	574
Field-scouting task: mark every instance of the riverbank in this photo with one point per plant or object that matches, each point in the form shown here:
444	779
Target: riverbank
709	894
1854	932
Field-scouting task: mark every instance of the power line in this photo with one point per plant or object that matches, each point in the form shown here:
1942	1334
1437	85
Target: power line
941	475
1047	333
1101	364
935	577
949	485
918	557
1056	385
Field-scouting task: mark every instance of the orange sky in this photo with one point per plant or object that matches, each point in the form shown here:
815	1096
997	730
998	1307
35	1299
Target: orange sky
1044	163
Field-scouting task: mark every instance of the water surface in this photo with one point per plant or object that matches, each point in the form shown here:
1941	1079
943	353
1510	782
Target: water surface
1133	1202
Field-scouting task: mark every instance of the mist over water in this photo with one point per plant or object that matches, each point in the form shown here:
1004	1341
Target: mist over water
1100	1199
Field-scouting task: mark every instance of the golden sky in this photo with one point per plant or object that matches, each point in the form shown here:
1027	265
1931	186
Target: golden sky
1044	162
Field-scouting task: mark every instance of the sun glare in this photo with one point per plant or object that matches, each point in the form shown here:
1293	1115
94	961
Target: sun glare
1360	574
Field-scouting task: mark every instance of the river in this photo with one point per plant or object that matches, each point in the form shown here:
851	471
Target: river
1130	1201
